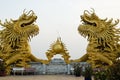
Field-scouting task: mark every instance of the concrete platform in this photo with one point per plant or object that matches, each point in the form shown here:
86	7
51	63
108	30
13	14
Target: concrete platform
42	77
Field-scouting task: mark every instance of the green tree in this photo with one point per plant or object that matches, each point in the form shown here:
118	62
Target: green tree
114	71
77	70
88	73
2	68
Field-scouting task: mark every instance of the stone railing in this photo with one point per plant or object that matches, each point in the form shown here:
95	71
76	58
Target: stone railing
30	70
22	70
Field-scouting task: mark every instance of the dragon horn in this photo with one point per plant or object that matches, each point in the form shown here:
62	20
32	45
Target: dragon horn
86	11
110	20
105	19
30	12
93	10
116	22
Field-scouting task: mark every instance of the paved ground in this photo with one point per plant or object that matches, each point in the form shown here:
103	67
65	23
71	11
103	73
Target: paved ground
42	77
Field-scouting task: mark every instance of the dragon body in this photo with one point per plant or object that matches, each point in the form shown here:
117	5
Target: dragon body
14	40
103	36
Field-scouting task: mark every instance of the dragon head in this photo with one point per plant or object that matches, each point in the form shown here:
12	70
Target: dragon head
25	24
23	27
93	27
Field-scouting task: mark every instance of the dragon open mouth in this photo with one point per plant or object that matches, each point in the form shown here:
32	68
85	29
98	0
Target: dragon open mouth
87	22
28	23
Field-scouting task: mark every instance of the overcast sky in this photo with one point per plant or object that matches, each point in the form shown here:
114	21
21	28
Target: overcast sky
59	18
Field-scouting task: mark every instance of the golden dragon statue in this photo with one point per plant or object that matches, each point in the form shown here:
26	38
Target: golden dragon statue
103	36
14	40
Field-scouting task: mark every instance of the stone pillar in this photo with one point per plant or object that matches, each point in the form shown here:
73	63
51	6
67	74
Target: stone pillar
68	68
44	68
